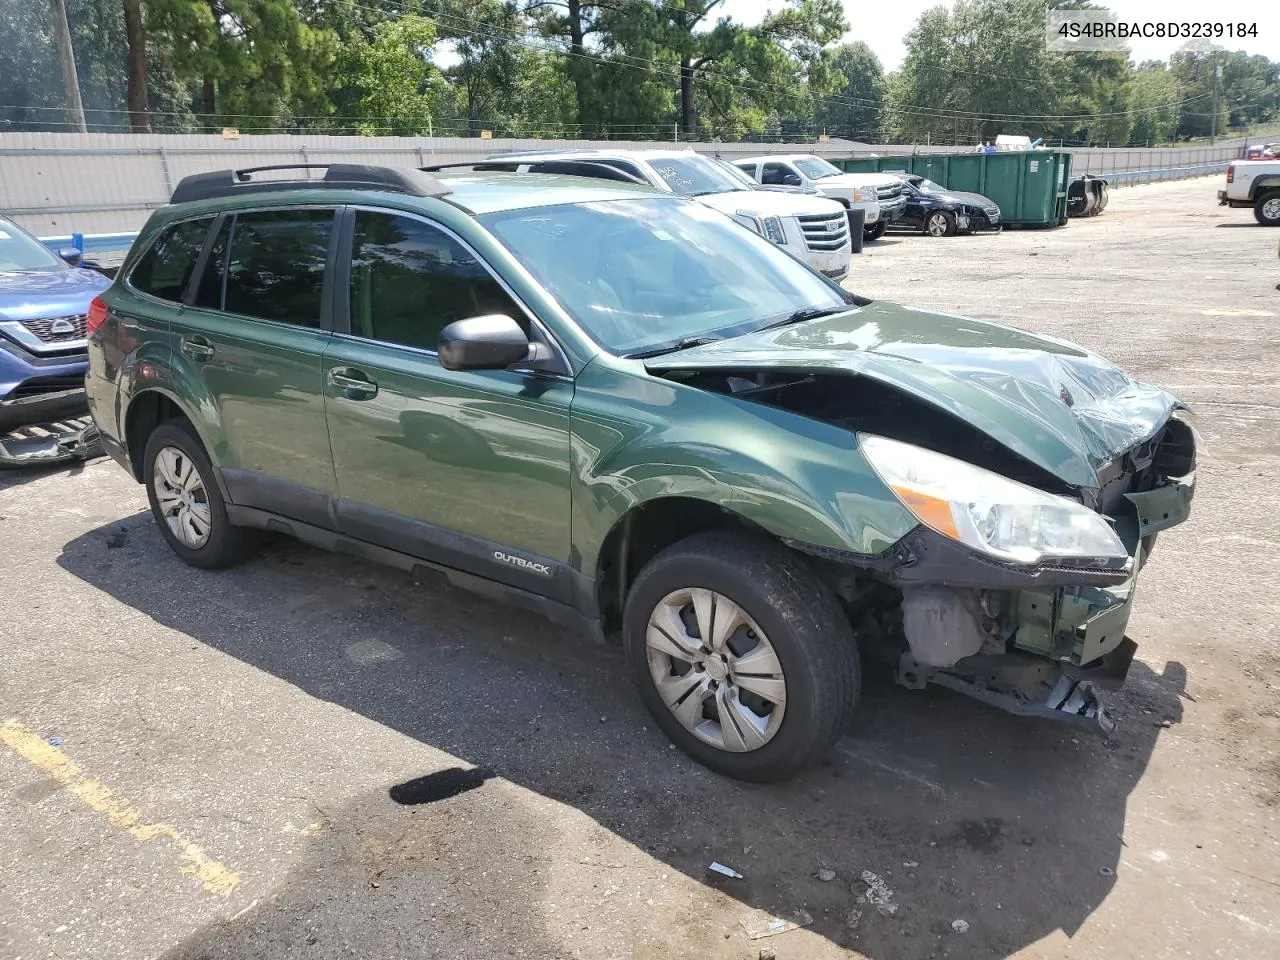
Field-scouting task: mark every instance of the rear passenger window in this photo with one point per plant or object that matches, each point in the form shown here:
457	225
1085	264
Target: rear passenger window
410	280
275	268
166	267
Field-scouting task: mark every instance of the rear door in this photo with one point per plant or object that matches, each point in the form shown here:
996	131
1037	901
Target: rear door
250	341
467	468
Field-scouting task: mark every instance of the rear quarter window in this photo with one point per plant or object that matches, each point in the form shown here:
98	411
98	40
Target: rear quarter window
165	269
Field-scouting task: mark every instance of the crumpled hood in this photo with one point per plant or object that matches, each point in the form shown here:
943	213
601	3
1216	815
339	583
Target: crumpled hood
1059	406
972	199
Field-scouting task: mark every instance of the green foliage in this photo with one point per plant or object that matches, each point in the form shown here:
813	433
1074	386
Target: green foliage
388	83
631	69
853	112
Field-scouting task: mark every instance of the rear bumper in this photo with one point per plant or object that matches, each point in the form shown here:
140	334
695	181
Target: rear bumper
1225	200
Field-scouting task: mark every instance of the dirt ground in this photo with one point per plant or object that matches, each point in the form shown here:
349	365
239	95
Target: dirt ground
312	757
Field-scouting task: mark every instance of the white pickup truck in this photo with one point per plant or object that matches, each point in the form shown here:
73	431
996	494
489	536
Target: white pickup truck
880	196
1254	183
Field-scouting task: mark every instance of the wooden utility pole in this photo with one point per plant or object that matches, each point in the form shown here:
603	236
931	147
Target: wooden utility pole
70	81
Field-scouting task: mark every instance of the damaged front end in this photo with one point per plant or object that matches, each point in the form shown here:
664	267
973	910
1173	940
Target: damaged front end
1039	640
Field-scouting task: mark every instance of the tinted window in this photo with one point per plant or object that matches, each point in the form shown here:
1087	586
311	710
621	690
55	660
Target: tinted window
209	293
775	173
410	280
166	267
579	168
276	265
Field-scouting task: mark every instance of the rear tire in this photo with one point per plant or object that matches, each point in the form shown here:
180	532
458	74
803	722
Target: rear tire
782	671
875	231
187	502
1267	210
940	224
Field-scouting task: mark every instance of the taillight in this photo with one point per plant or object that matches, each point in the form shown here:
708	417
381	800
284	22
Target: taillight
96	317
1231	174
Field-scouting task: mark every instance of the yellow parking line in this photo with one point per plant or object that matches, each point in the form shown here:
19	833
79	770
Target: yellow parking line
213	875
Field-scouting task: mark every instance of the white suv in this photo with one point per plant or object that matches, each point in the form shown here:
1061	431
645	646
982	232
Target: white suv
811	228
879	195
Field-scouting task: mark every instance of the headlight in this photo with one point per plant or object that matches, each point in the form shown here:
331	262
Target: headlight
990	513
768	227
860	196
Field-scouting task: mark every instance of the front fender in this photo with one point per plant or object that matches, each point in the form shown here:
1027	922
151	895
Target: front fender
638	439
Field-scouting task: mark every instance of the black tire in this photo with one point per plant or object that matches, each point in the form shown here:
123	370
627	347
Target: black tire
1267	210
875	231
805	626
948	218
226	545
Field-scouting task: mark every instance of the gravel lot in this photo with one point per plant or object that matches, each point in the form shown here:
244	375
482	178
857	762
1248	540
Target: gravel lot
230	765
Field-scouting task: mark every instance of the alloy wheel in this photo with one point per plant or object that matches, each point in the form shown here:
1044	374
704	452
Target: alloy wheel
715	669
183	500
937	225
1271	209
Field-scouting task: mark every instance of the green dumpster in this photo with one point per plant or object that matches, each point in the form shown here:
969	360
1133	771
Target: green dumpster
1030	187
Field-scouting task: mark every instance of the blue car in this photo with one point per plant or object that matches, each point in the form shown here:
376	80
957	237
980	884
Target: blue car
44	298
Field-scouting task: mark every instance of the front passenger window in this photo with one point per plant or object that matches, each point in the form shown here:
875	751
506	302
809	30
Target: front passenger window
776	173
409	280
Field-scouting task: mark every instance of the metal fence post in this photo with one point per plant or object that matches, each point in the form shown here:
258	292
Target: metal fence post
165	171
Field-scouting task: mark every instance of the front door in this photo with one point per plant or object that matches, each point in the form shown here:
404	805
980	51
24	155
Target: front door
913	212
253	334
467	468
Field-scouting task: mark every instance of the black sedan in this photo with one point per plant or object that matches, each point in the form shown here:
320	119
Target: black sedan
938	212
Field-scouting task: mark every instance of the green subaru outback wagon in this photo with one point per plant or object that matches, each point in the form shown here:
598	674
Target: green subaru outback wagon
625	411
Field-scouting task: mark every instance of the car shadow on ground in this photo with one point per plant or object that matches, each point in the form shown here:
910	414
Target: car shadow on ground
1013	826
12	477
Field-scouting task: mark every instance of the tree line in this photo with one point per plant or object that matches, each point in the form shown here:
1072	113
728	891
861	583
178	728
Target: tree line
593	69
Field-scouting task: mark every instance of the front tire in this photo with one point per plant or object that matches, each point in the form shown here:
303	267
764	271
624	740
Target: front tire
1267	210
874	232
742	657
186	501
940	224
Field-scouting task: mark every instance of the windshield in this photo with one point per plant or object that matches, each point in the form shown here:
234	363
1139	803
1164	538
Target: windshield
644	273
924	185
815	168
692	175
20	251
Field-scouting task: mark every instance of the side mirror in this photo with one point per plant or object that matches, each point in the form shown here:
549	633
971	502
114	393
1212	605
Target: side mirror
490	342
70	254
792	180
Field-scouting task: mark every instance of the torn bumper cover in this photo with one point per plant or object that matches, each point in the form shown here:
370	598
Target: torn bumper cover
1040	641
49	447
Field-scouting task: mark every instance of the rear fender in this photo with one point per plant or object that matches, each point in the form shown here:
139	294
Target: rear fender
1263	184
155	368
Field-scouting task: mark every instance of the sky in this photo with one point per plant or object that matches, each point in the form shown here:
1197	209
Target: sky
882	26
